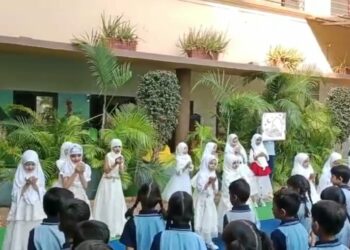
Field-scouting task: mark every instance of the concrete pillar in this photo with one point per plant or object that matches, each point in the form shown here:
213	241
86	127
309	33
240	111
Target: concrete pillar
182	129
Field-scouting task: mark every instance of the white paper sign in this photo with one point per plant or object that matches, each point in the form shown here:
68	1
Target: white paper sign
274	126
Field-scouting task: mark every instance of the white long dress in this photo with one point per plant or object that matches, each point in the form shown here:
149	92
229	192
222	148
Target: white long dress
110	206
26	210
206	214
181	180
61	161
299	169
230	174
325	179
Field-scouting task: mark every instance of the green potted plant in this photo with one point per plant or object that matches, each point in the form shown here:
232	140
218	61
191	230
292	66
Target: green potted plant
203	43
285	58
118	34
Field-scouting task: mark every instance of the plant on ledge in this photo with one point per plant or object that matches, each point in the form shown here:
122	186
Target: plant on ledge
203	43
285	58
117	33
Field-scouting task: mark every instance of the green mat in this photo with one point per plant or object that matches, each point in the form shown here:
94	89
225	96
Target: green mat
265	213
2	234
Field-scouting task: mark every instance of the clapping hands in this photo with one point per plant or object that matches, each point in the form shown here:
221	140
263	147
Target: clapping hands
31	180
80	168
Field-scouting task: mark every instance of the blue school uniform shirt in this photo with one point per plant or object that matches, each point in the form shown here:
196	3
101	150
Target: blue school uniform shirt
178	238
329	245
290	235
346	192
46	236
344	235
241	212
304	220
140	230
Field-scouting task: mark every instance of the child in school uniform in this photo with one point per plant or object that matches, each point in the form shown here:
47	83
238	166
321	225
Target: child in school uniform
328	218
90	230
325	179
258	158
179	233
290	234
232	172
71	213
242	234
302	166
47	235
26	210
239	195
181	180
207	186
340	178
76	174
64	154
301	185
335	193
110	206
140	229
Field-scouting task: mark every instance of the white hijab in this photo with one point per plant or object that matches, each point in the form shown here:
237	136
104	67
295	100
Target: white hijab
325	179
182	158
257	149
229	172
112	155
229	149
30	196
63	154
298	167
209	148
68	167
204	171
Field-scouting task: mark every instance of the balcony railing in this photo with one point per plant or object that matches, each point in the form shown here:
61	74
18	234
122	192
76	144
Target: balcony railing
340	7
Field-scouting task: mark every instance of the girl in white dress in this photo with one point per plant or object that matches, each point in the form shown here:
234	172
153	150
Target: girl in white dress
76	174
205	221
180	181
325	180
110	205
26	210
233	146
232	172
303	167
258	158
61	161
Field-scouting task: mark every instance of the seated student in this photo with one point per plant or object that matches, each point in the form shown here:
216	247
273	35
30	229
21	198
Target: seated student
47	235
327	220
244	235
340	178
239	195
140	229
93	245
291	234
336	194
179	233
90	230
71	213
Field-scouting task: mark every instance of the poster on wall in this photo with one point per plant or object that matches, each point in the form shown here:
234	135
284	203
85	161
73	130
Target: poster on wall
274	126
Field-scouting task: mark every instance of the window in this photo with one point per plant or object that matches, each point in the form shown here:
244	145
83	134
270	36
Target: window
340	7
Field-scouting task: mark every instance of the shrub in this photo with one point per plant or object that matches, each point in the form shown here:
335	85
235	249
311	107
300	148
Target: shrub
285	58
338	101
159	95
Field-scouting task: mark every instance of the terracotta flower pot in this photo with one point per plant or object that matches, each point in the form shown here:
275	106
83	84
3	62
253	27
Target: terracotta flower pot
119	44
202	54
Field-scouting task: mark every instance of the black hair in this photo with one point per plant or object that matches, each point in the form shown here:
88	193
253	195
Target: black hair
71	213
241	189
180	210
336	194
329	215
149	196
90	230
341	171
244	235
288	200
301	183
93	245
53	199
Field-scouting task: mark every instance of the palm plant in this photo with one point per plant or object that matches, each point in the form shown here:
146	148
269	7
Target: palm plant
106	70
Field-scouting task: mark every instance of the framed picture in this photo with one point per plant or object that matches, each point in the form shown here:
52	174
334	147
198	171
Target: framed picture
274	126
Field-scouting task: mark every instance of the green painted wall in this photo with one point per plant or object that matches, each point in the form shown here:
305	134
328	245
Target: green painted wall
80	105
6	98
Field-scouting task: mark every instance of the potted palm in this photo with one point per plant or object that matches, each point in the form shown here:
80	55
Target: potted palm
203	43
284	58
118	34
